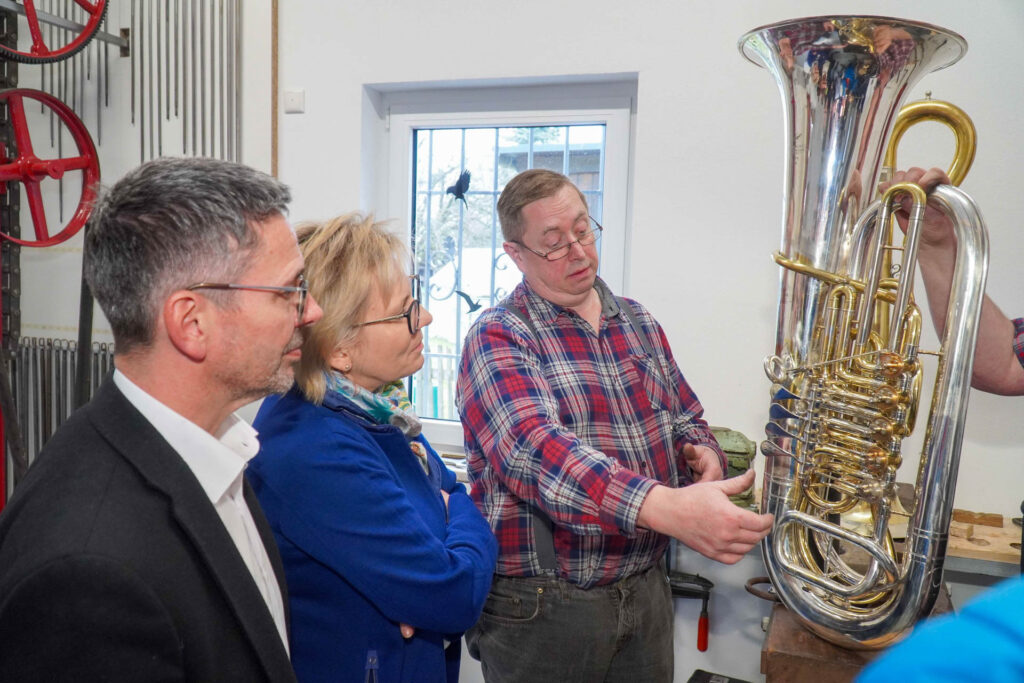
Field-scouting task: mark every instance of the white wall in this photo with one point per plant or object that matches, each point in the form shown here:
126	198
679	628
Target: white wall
707	176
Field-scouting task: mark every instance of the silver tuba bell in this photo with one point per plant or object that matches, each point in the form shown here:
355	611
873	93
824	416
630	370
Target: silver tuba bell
846	372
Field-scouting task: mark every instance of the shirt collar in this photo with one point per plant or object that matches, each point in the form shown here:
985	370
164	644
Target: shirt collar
609	304
217	460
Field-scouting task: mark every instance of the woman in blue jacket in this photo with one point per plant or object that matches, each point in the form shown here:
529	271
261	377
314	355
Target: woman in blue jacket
386	557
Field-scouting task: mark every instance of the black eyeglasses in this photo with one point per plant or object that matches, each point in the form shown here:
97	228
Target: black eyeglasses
562	250
411	314
302	289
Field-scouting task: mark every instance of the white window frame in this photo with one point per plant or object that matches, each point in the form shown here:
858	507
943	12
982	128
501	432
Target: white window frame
402	118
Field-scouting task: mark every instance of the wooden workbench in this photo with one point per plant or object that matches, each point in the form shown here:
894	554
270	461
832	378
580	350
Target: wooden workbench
792	654
982	542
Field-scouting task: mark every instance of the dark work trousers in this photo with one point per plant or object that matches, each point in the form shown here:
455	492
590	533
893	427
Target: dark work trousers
546	629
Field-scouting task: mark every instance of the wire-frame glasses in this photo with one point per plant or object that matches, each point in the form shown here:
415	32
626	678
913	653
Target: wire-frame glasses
562	250
411	314
302	289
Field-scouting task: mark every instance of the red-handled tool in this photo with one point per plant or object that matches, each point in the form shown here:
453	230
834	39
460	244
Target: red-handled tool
702	627
694	586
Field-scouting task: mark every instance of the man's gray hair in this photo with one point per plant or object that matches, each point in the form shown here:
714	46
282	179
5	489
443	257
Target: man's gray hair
168	224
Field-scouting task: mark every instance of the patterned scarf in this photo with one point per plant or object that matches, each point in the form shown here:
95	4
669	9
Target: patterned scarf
390	405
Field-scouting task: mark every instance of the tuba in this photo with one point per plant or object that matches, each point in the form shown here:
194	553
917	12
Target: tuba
847	371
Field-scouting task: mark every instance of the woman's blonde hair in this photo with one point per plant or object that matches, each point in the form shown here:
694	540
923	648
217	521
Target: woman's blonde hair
348	260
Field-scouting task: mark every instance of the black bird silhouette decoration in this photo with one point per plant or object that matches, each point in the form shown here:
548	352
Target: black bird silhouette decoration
461	186
473	305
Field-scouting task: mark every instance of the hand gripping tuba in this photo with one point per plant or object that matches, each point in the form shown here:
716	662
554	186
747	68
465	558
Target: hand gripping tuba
846	373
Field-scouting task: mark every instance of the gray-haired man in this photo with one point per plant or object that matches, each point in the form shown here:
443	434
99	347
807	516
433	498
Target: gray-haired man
133	549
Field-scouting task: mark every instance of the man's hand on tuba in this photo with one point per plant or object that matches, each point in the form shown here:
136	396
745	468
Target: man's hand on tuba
937	229
702	517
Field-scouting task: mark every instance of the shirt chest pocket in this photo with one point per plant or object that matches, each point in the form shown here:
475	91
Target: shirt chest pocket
644	380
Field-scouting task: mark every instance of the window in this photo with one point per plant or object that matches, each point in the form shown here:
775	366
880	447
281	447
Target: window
457	245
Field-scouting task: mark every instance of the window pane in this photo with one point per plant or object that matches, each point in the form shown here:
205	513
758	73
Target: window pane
595	204
549	149
480	157
513	153
458	243
586	152
422	147
446	158
478	221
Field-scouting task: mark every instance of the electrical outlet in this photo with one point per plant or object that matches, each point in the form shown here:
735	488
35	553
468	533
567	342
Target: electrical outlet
294	101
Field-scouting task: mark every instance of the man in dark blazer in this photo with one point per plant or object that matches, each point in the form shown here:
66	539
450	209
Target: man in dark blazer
133	550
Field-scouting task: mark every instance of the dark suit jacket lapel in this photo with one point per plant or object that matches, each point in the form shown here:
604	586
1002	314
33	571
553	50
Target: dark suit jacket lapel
139	443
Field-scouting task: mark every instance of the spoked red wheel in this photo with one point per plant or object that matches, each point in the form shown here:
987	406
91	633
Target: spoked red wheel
40	52
30	170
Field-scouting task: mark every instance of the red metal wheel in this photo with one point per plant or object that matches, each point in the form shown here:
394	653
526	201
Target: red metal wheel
30	170
40	52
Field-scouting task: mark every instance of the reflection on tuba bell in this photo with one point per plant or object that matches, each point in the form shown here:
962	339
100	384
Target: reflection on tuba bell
846	373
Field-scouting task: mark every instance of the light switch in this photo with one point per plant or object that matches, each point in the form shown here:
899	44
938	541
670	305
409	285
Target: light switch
294	101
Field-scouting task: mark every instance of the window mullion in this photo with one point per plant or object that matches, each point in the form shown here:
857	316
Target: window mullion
565	151
426	394
463	208
494	222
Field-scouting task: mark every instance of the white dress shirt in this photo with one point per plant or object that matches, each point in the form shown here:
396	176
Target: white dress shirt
218	462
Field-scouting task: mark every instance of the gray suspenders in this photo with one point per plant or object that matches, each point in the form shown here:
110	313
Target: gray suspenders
543	535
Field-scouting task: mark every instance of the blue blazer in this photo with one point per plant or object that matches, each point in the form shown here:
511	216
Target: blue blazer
367	544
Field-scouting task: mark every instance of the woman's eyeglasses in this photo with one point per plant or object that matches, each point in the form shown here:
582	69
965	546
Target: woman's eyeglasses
411	314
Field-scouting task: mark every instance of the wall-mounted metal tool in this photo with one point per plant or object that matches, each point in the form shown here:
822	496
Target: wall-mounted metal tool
22	165
73	39
196	65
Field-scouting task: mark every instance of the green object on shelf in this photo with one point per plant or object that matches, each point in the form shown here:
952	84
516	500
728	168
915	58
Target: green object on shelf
739	452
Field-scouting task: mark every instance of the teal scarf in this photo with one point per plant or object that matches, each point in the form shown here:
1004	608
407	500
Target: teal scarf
390	405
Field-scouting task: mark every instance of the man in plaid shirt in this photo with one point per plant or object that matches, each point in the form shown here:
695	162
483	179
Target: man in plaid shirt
988	630
580	432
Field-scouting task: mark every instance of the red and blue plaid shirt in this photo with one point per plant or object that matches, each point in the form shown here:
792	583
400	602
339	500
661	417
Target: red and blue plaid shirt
578	424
